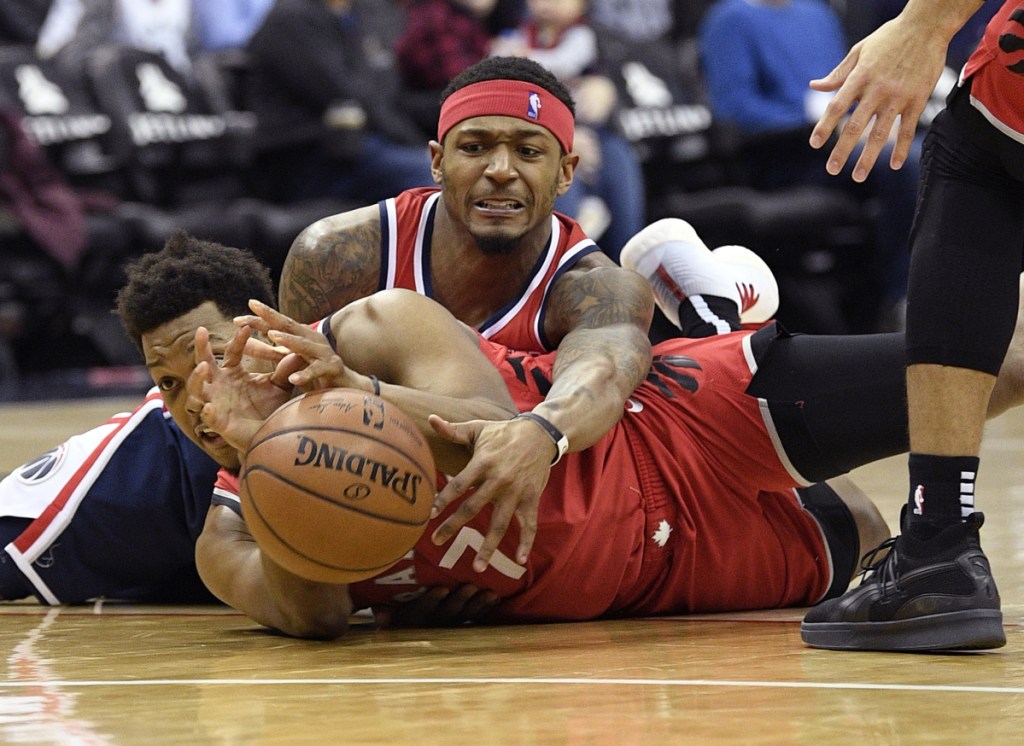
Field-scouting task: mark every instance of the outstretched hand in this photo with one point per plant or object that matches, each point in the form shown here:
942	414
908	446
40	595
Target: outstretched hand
889	74
509	467
235	401
304	358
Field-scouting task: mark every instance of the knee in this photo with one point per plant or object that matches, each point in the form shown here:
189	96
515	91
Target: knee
1008	391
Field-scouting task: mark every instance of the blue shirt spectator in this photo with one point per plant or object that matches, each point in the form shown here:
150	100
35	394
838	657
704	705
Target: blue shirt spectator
228	24
757	63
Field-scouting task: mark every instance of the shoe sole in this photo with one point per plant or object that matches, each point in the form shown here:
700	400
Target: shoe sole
638	248
976	629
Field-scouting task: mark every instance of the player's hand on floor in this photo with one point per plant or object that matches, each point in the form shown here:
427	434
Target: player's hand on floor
509	467
439	607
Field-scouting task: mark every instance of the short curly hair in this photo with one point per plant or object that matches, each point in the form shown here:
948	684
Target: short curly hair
511	68
186	273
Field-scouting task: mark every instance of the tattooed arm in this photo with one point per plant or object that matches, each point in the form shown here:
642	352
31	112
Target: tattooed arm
600	315
331	263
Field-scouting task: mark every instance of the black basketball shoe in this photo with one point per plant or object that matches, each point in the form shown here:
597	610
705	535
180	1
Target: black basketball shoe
937	594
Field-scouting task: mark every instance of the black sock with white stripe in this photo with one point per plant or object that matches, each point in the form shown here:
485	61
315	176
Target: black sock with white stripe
708	315
941	491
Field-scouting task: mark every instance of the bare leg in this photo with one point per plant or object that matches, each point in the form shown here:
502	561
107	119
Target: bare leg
940	423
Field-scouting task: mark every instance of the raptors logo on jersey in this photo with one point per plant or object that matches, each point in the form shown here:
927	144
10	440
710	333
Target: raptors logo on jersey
996	71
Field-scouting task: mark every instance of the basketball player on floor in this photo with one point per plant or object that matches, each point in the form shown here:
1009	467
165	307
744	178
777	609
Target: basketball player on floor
710	518
488	247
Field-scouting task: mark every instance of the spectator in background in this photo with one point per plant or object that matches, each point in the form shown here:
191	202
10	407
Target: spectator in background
758	56
440	39
608	196
325	90
20	20
228	24
161	26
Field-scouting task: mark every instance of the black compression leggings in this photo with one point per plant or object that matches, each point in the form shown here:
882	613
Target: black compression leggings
837	402
967	242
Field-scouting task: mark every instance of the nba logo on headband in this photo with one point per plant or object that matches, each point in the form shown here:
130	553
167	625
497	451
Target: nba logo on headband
504	98
533	105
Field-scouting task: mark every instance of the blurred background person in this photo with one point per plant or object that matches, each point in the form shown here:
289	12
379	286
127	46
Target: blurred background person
325	91
161	26
228	24
439	40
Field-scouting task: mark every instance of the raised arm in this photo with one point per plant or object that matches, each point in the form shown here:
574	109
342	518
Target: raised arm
331	263
890	73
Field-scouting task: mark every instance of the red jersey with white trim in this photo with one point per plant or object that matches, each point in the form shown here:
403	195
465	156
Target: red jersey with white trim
406	223
996	70
683	506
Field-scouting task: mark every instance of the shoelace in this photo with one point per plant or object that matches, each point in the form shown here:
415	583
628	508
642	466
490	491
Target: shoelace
884	568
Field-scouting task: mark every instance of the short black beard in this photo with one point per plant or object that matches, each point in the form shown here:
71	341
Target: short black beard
497	245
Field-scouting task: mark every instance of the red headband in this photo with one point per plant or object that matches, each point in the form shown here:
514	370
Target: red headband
508	98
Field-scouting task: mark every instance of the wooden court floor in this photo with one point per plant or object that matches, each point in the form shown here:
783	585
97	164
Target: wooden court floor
108	674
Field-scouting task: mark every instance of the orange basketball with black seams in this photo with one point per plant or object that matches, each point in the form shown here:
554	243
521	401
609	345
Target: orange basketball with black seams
337	485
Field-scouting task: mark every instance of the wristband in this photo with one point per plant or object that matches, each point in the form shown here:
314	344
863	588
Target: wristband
561	442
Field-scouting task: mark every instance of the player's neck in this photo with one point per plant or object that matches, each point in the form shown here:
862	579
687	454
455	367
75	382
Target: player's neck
472	284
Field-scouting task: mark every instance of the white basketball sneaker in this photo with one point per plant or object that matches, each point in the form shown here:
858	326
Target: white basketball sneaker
755	283
679	265
676	262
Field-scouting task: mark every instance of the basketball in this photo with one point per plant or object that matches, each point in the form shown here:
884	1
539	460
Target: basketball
337	485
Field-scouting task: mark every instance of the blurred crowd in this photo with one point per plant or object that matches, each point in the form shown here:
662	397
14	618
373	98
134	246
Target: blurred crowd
245	120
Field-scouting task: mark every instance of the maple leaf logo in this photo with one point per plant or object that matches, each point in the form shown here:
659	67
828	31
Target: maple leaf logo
661	535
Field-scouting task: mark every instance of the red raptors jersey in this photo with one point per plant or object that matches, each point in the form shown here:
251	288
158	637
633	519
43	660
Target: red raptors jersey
406	227
670	512
997	71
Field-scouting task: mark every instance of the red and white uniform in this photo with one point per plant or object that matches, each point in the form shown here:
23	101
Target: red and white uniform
683	507
406	227
996	70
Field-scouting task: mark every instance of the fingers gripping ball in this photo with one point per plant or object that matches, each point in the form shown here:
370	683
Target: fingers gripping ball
337	485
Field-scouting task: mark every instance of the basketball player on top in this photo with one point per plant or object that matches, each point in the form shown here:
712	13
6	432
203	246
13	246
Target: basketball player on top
706	465
487	246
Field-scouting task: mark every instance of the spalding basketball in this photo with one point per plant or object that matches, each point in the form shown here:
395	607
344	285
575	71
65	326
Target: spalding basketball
337	485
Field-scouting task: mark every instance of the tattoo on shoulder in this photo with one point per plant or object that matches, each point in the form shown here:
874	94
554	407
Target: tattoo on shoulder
329	269
599	297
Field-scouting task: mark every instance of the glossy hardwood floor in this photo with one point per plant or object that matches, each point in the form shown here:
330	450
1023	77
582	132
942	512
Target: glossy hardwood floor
108	674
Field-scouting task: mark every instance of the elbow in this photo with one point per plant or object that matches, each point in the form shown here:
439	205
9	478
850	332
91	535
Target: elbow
321	624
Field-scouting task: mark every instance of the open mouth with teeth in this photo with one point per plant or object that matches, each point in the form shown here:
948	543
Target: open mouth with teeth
499	205
208	437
